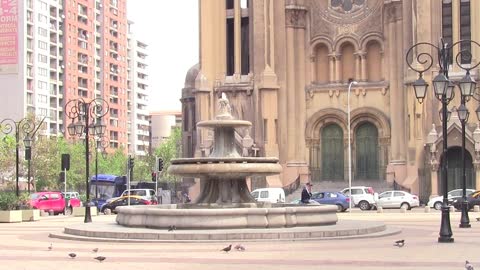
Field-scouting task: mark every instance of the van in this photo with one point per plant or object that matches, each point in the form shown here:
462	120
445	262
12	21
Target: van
147	194
271	195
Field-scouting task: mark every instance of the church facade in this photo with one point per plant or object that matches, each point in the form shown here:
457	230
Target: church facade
302	70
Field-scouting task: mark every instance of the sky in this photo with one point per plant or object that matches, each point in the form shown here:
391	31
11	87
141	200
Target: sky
170	29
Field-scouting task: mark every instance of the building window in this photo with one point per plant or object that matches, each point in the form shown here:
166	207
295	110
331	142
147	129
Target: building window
42	72
447	23
42	45
42	58
245	48
42	85
465	32
42	32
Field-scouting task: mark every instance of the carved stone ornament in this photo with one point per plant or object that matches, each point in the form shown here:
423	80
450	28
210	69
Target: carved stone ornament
296	17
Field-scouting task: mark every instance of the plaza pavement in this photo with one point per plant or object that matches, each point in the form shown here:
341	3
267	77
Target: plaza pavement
25	246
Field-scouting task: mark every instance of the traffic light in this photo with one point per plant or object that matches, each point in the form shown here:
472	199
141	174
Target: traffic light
131	162
154	176
160	164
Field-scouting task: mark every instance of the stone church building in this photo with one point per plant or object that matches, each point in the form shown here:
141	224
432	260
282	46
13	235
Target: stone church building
286	66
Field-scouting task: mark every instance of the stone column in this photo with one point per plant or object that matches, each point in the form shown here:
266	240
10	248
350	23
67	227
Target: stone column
291	116
338	66
363	63
476	165
358	63
300	86
331	68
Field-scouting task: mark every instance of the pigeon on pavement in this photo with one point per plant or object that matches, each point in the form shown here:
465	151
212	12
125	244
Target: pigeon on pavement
95	250
468	266
171	228
399	243
72	255
478	218
100	258
239	247
227	249
50	247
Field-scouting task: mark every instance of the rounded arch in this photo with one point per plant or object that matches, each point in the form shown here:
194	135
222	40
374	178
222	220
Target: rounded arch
322	118
318	41
373	115
343	40
371	37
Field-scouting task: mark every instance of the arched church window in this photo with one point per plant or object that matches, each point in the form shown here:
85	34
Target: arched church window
348	62
374	61
322	72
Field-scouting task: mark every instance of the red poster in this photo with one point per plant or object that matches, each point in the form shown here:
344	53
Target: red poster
8	36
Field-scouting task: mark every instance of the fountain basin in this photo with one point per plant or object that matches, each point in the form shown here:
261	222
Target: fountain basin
164	216
226	168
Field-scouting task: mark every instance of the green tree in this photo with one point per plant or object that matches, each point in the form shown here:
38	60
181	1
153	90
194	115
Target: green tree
170	149
7	157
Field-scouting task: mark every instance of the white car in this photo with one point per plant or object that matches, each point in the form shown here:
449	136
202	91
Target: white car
436	202
397	199
362	197
272	195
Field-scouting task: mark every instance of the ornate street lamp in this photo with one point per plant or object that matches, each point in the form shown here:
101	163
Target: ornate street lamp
24	126
444	91
83	111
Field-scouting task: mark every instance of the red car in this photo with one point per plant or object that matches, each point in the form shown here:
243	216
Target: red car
48	201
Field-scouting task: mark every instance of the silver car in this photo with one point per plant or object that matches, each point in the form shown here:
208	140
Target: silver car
397	199
436	202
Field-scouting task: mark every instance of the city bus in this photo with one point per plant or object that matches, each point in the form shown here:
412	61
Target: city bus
106	186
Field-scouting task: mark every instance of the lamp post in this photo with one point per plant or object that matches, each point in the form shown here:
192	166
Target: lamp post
444	91
28	157
82	111
101	144
351	82
25	126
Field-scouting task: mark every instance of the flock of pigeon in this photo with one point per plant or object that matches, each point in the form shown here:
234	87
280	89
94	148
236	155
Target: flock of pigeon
74	255
238	247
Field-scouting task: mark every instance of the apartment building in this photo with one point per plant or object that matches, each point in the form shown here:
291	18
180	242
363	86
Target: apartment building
137	91
54	51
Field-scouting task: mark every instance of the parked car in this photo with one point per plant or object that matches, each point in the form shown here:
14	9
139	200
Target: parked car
397	199
472	199
73	199
332	197
48	201
362	197
122	201
272	195
436	202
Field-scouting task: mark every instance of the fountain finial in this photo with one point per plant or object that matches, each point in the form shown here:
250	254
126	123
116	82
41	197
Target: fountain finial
224	109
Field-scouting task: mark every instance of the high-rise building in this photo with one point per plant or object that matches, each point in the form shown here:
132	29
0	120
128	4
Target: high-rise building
54	51
286	65
137	91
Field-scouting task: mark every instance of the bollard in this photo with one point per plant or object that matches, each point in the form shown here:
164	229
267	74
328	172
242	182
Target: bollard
427	209
107	211
51	213
379	209
476	208
451	208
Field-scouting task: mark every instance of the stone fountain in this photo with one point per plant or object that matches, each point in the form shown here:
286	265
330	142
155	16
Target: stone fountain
225	201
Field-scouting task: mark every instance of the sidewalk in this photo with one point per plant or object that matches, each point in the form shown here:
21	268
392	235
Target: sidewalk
25	246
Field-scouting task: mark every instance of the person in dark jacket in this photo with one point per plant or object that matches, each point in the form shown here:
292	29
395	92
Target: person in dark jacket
306	193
